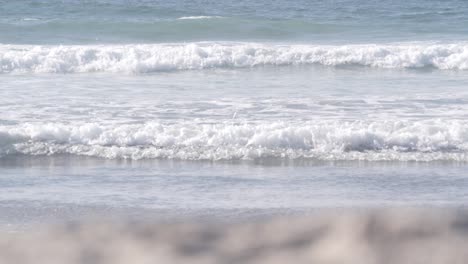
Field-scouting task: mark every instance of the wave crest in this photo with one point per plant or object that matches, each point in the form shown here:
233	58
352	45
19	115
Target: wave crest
196	56
402	141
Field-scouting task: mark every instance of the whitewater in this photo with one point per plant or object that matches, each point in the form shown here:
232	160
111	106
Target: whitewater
197	56
403	141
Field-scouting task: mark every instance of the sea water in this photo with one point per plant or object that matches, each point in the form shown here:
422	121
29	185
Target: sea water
238	106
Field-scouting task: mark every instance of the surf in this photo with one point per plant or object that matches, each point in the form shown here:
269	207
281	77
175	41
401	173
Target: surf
321	140
150	58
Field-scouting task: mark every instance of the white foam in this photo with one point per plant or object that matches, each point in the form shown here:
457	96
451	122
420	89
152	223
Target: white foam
30	19
327	140
196	56
198	17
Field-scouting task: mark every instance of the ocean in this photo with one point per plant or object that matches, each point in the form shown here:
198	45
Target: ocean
230	109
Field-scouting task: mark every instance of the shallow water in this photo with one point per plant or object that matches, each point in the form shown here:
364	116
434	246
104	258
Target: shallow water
307	112
44	189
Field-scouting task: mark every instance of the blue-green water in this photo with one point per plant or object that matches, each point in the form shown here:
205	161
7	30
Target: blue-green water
341	21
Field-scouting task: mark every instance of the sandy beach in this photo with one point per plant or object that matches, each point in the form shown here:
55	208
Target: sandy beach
375	236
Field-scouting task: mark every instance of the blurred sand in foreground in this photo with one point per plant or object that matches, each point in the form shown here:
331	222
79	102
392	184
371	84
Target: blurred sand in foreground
390	236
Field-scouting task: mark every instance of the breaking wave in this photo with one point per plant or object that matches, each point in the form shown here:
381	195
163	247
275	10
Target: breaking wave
205	55
327	140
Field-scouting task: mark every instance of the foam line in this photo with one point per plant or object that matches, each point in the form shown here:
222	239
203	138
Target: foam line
207	55
325	140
